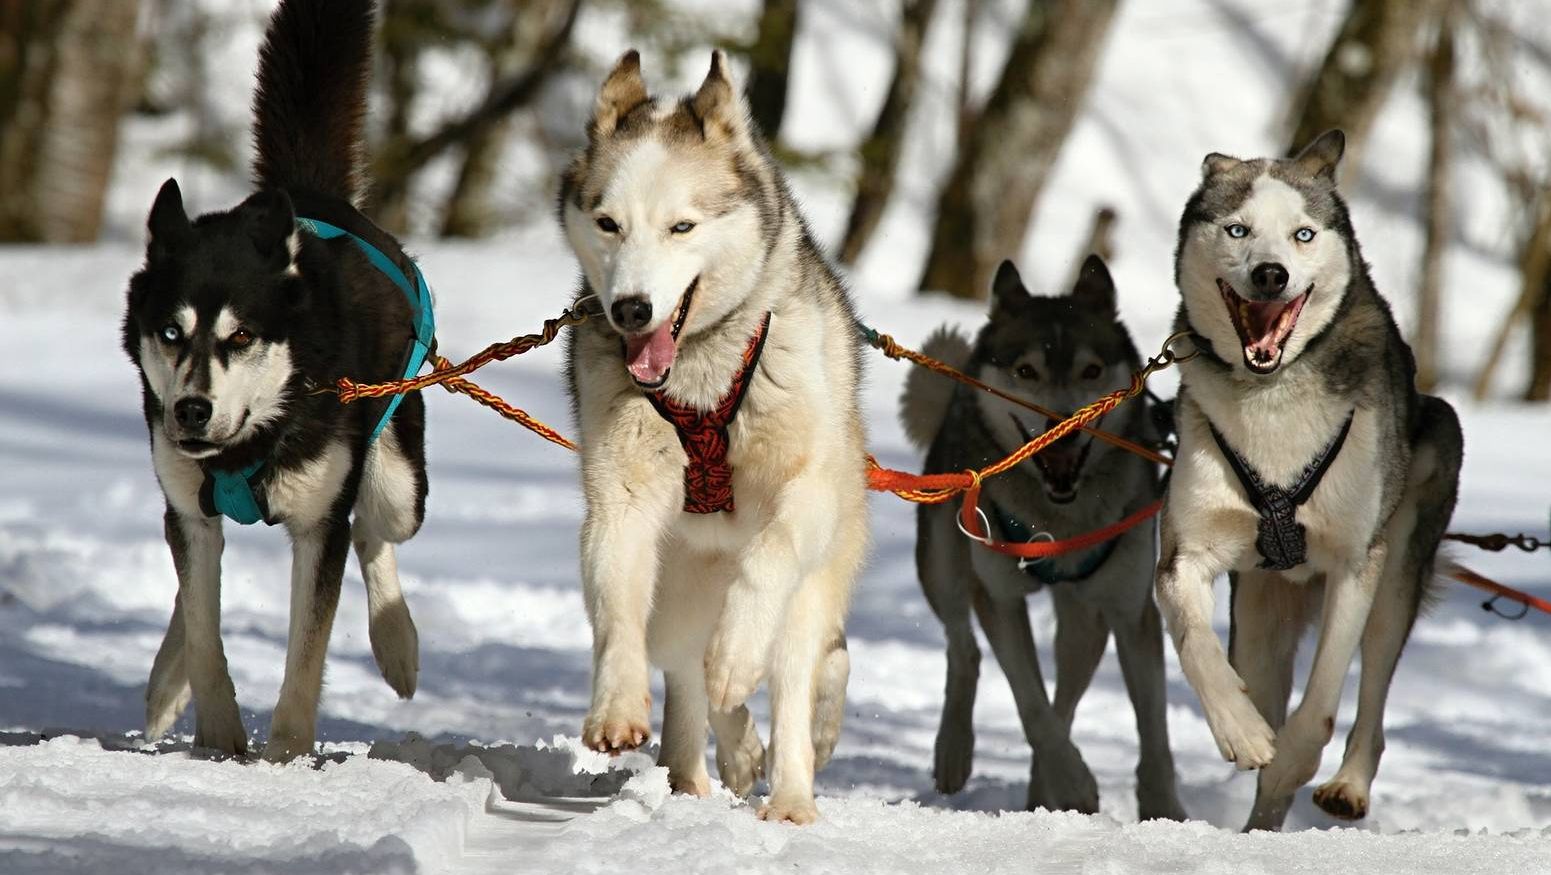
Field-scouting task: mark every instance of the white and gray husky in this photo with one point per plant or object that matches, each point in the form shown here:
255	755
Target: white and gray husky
235	317
722	446
1061	352
1310	470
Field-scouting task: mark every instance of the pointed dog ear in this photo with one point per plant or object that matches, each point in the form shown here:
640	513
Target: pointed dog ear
168	223
271	224
1095	288
1007	287
1320	158
622	91
1216	162
719	104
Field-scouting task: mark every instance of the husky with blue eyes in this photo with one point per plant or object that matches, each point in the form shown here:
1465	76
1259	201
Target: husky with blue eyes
723	459
1310	471
233	321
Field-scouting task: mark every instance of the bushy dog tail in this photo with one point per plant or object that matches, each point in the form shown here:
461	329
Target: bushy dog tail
924	405
310	104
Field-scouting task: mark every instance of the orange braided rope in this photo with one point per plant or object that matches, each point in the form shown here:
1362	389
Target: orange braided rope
891	348
919	488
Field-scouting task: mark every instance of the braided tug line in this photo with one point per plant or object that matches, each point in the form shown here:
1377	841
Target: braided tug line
917	488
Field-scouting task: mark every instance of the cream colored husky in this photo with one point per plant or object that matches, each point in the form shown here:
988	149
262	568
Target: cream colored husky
722	445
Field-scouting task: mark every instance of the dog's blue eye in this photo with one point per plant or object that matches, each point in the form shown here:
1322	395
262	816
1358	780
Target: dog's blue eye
608	225
683	228
172	333
1303	235
1236	230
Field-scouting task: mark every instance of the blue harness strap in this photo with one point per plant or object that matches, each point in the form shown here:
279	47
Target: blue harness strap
237	495
414	288
234	495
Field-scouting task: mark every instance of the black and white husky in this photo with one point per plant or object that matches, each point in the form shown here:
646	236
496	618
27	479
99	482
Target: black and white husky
235	317
1062	352
1310	470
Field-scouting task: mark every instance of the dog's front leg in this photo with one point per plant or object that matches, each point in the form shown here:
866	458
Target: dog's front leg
197	543
1299	745
317	569
739	653
619	547
1185	579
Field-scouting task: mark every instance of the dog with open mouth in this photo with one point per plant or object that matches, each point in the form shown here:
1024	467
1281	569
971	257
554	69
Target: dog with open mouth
1310	471
722	450
1060	352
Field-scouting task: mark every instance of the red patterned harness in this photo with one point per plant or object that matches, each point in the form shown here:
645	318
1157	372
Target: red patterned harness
703	434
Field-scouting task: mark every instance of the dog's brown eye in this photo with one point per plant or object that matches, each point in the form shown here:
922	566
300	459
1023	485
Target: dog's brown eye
240	338
1026	372
1092	372
608	225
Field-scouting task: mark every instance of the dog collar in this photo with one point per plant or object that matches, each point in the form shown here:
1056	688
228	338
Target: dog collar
1043	570
703	434
237	495
1281	540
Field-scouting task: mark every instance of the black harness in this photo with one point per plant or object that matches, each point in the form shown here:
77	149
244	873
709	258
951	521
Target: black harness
1281	539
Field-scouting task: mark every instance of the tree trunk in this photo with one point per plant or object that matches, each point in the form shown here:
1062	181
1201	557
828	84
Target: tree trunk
1539	388
471	211
770	64
68	71
966	111
984	210
402	156
1376	42
1440	104
880	154
1535	288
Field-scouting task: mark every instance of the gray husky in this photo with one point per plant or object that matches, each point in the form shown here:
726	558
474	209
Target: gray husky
1061	352
1310	470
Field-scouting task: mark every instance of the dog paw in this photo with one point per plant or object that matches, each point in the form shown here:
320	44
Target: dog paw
696	784
1346	800
163	707
396	647
1157	794
291	735
734	666
1296	761
621	724
1159	805
798	810
1243	737
1061	781
740	765
953	759
220	729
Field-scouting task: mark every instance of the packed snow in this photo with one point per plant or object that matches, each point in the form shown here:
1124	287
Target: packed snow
481	771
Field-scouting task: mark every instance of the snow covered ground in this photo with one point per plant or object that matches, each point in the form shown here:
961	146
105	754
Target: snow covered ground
491	779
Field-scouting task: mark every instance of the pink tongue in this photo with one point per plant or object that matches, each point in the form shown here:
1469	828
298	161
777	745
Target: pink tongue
648	356
1262	325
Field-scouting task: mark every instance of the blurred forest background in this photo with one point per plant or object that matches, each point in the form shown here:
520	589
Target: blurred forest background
477	103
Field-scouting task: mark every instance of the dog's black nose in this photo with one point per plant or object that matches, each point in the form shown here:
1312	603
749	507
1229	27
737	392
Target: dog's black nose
632	314
192	413
1270	278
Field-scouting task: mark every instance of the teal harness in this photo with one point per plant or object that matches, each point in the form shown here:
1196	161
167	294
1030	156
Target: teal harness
1043	570
238	495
